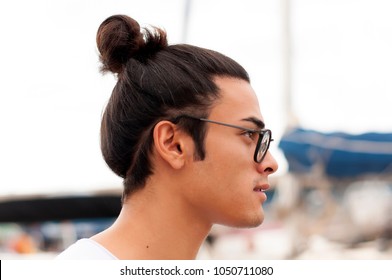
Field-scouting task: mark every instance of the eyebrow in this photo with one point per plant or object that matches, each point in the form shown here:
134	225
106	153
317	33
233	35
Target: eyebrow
259	123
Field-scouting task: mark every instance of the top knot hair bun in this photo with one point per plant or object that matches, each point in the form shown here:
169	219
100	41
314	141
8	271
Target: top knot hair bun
119	38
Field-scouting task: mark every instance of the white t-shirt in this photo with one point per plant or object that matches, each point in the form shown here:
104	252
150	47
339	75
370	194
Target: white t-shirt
86	249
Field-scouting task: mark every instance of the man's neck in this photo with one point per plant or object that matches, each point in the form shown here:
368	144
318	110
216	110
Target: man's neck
155	225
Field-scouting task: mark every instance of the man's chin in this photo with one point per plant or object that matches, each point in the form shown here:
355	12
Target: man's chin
248	223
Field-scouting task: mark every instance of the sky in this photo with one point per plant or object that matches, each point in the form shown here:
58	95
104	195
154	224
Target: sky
337	69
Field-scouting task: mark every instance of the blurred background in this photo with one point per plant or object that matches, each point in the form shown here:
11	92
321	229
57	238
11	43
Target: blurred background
321	69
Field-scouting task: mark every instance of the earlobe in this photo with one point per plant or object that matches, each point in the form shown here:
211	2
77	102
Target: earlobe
169	144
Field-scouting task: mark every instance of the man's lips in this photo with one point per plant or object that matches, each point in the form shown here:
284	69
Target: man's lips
260	191
261	188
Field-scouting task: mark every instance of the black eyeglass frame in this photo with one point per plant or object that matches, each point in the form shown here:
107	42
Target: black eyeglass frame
260	132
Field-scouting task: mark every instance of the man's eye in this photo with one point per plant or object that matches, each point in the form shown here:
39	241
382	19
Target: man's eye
249	134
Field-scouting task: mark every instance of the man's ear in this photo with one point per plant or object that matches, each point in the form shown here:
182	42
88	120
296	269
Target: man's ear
170	143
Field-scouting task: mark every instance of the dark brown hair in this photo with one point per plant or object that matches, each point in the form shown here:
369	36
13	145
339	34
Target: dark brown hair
156	81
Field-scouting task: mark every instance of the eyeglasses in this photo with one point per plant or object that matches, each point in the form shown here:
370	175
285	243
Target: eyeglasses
263	142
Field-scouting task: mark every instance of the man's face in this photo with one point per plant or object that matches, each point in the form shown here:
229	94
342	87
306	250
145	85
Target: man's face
227	186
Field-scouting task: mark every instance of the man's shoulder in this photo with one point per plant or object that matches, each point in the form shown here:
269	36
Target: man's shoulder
86	249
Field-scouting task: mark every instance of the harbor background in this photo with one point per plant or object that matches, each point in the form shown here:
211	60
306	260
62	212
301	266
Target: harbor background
316	64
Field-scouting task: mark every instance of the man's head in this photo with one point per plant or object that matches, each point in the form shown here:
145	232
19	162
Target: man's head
158	84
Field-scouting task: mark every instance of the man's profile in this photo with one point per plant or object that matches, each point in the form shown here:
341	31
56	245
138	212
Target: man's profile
183	128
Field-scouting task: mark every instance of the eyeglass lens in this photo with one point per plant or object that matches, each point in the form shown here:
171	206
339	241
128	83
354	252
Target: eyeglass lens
263	147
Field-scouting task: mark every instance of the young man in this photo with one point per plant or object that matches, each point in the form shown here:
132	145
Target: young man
184	129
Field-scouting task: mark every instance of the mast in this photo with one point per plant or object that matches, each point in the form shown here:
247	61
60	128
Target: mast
290	118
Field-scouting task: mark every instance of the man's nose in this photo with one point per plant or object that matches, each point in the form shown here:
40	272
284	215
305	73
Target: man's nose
269	165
